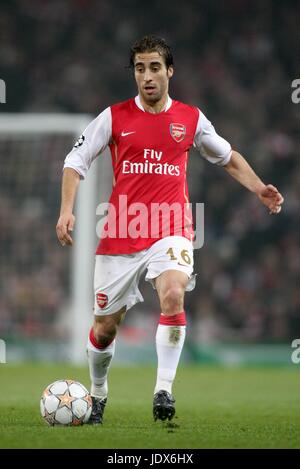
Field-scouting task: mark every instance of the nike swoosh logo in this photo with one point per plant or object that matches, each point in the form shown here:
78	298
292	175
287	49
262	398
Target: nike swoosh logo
123	134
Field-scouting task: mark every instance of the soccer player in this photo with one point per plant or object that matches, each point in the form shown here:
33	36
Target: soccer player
149	137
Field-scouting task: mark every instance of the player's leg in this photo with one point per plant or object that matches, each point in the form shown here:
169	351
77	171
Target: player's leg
170	269
170	336
101	347
116	291
100	350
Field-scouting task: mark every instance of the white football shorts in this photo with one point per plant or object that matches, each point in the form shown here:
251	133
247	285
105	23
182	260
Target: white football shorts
117	277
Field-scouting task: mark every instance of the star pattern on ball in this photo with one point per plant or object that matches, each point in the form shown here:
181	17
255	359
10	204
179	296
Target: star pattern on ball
76	422
50	417
46	393
70	381
65	400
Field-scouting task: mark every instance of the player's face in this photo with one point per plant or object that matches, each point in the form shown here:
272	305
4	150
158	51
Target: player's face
152	76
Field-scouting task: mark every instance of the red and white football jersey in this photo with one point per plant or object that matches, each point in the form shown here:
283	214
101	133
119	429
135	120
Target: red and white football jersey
149	152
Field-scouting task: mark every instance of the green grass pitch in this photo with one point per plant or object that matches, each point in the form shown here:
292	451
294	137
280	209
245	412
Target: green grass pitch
216	408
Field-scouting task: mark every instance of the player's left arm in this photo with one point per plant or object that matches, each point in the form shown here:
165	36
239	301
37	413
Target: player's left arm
217	150
240	170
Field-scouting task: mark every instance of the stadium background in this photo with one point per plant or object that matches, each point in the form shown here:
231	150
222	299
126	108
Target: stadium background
236	60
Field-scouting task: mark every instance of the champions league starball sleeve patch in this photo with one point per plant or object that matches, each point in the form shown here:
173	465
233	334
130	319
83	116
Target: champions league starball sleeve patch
79	141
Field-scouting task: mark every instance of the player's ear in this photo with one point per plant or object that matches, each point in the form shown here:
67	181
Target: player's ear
170	71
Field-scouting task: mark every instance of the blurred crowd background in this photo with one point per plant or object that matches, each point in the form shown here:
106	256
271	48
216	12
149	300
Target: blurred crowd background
235	60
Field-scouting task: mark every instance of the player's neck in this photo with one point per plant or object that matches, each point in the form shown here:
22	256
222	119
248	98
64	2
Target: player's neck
155	108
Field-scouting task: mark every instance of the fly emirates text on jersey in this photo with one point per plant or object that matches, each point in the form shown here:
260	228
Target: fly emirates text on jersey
151	165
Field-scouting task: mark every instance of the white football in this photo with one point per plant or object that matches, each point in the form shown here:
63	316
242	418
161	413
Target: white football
66	402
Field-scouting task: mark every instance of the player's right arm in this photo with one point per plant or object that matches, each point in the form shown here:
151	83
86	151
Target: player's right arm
66	221
94	140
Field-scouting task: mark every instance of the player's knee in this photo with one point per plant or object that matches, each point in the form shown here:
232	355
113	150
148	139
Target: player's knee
172	300
104	334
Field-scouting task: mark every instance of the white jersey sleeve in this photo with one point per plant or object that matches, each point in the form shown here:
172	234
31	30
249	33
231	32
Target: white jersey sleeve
211	146
90	144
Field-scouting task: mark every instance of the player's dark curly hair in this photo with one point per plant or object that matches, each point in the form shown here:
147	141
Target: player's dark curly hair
151	43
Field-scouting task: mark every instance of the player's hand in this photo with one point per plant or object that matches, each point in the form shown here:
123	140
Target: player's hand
271	197
64	225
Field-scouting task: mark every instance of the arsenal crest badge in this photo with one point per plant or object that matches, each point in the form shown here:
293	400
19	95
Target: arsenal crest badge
177	131
102	300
